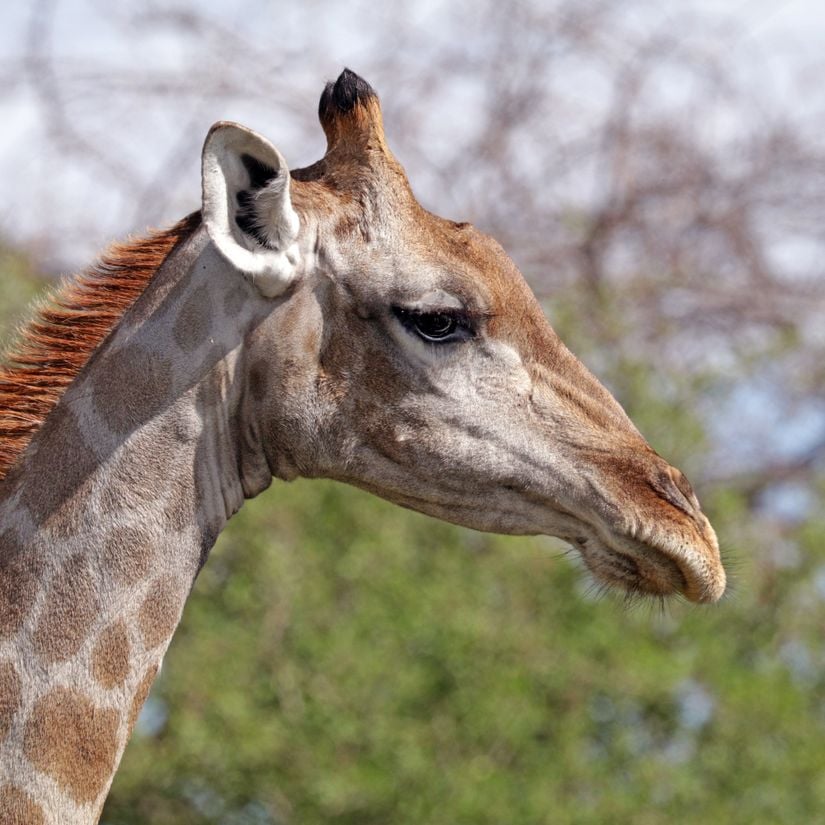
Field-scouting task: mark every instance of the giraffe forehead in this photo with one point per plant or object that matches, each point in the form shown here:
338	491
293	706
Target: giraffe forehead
478	270
471	264
485	270
405	263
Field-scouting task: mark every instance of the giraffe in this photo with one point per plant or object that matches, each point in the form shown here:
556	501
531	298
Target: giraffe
318	323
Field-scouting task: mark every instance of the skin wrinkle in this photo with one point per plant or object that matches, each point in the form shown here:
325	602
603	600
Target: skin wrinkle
258	375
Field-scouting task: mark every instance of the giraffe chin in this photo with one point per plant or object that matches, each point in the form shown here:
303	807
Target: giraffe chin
640	569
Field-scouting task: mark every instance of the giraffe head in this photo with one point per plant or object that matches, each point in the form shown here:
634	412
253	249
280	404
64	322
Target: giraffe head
405	354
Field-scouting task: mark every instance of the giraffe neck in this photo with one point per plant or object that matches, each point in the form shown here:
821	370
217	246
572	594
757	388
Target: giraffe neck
104	525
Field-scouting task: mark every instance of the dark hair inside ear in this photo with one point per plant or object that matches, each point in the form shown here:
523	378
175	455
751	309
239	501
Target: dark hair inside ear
246	219
259	173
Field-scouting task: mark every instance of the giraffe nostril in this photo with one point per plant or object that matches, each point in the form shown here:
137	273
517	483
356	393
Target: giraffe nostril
671	485
680	480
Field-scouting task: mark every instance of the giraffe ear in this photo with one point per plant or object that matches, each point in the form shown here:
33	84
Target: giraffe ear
247	210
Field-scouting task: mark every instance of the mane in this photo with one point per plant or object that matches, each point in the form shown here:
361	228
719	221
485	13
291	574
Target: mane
68	326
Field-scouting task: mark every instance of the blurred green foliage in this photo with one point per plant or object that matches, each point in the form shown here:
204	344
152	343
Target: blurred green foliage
18	286
344	661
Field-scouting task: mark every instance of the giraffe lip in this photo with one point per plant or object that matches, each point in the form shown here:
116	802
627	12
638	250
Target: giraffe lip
645	570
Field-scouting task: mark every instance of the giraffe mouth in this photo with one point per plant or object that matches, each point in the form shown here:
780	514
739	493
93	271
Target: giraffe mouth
665	563
637	568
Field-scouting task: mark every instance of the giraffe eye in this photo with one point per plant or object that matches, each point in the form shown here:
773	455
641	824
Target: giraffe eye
435	325
440	326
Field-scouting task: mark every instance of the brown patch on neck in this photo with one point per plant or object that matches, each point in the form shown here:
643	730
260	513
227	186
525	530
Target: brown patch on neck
71	607
19	583
160	612
110	657
74	742
68	327
11	690
18	808
140	696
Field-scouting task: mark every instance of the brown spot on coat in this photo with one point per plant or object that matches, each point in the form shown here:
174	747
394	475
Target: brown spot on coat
140	696
110	657
155	470
18	808
133	386
71	740
71	606
20	572
194	321
61	439
127	553
160	612
235	300
10	693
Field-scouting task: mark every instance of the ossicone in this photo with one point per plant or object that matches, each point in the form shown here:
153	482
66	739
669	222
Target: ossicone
344	94
350	114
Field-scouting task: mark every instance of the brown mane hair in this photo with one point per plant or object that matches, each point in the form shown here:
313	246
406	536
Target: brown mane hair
66	329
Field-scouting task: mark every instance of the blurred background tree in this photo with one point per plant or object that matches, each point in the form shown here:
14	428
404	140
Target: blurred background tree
659	179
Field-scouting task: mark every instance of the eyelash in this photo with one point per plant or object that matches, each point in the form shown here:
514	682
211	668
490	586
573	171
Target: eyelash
445	325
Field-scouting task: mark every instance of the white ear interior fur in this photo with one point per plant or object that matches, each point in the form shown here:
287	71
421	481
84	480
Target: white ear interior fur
274	265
